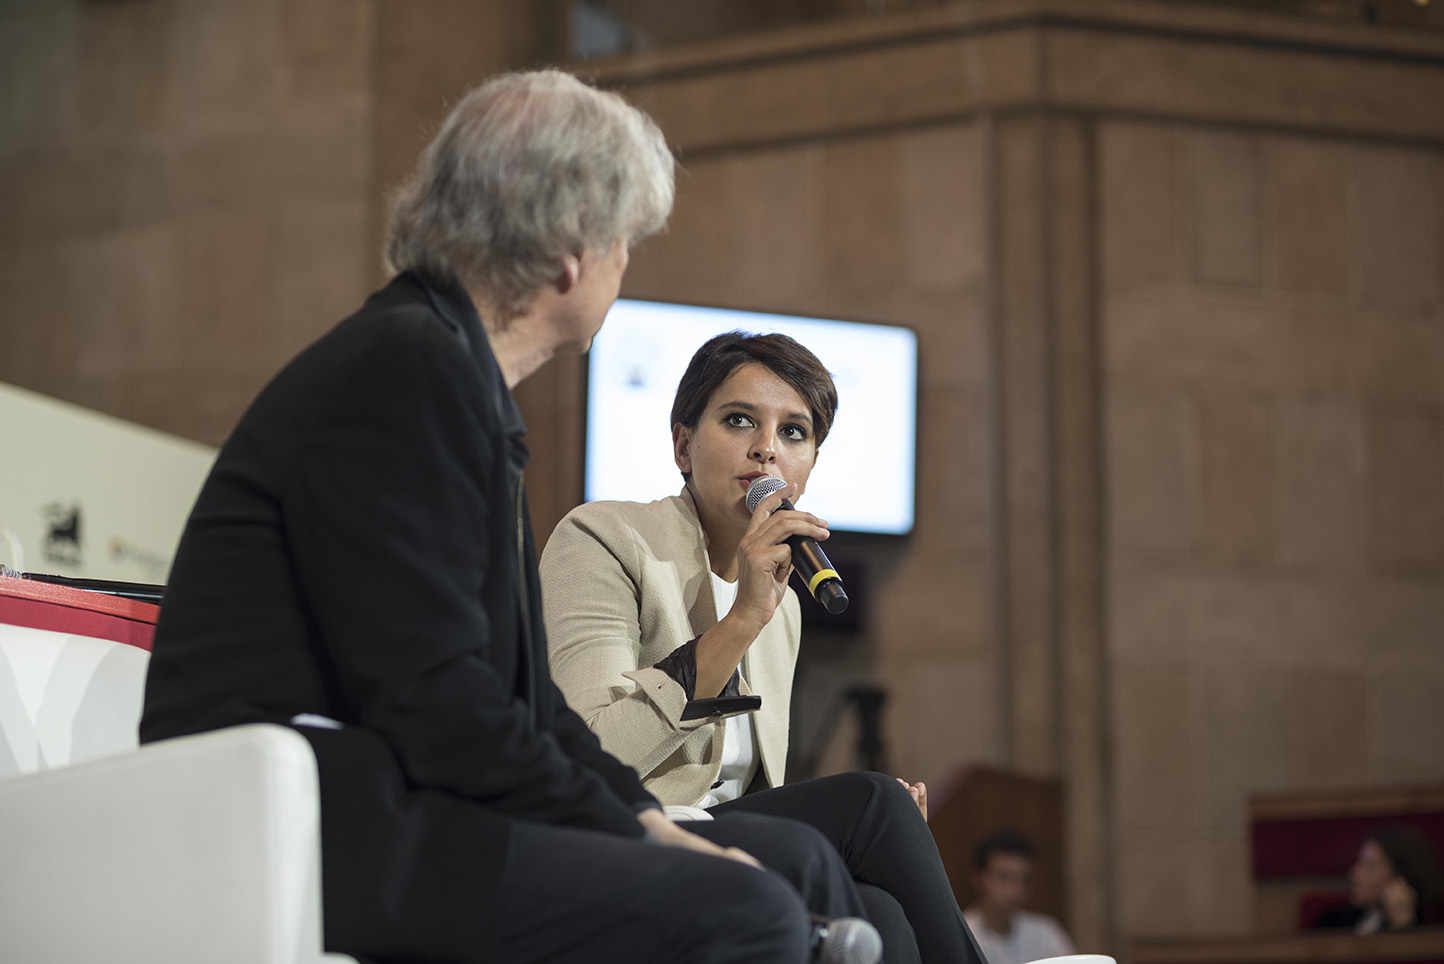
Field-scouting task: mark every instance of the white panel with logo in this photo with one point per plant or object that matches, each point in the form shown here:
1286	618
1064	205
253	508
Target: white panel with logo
88	495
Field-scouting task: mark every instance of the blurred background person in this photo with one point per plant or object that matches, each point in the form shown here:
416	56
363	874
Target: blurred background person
1394	884
1008	934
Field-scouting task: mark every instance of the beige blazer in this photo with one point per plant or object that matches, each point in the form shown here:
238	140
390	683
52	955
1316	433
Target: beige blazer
623	585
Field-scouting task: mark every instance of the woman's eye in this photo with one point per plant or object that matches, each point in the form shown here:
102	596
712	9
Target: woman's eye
794	432
738	420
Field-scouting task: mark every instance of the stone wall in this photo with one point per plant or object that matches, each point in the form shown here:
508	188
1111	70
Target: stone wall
193	191
187	192
1275	369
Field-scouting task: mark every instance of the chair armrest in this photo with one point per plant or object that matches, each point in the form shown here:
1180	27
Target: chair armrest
202	848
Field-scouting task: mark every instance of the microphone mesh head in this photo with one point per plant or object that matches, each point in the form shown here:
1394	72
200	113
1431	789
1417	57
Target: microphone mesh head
761	488
851	940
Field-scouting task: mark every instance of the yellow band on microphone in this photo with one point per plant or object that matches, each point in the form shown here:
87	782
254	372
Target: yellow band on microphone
822	574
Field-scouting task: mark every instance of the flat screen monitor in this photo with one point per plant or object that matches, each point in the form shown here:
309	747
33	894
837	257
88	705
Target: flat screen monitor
864	479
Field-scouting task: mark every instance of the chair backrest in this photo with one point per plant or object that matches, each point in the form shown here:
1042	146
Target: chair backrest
72	673
65	698
201	848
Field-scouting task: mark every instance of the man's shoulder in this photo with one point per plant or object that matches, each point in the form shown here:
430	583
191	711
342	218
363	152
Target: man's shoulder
390	325
395	342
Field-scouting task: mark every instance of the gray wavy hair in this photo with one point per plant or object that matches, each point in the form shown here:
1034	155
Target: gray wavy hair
528	168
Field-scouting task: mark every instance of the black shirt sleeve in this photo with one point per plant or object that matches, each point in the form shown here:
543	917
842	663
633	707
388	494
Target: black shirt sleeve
681	665
399	531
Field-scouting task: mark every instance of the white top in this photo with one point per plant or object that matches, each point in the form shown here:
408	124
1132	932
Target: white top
1033	937
739	742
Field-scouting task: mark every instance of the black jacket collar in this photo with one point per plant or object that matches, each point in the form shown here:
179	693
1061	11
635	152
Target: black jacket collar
454	306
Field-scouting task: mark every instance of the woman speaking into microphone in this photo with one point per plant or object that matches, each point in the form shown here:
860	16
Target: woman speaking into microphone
673	632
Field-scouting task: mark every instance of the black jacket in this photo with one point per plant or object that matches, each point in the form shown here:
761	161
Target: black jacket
361	551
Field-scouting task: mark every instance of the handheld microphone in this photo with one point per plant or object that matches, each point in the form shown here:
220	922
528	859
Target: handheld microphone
807	556
845	940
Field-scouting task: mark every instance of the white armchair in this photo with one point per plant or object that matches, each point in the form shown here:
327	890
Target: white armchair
204	848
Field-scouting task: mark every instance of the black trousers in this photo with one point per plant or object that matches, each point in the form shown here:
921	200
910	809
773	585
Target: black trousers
580	897
411	874
875	826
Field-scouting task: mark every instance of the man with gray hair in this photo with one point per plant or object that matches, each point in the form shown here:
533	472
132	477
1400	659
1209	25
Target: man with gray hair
360	566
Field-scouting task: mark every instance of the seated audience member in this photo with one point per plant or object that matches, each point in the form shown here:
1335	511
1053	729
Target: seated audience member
656	610
1394	884
1008	934
360	566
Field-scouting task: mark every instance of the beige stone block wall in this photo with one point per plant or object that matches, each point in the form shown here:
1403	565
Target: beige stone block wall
1406	499
1271	312
1222	176
1236	476
186	188
1153	452
951	714
1329	727
1307	186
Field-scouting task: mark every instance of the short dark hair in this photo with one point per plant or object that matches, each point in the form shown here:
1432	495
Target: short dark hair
1002	842
786	358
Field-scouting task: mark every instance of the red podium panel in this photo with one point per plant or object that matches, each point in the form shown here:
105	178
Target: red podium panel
63	609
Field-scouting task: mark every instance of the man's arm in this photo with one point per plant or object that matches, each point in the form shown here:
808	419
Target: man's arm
393	513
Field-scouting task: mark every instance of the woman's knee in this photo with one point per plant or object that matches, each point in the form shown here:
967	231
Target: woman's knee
877	790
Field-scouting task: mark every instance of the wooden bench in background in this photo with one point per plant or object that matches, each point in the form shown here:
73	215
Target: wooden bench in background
1407	947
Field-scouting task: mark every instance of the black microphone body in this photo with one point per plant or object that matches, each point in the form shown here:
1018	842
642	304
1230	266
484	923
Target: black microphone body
808	558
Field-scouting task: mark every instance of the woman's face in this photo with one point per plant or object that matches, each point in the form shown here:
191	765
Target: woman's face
754	424
1370	873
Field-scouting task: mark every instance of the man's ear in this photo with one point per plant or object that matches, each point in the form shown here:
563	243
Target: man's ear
571	272
682	447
